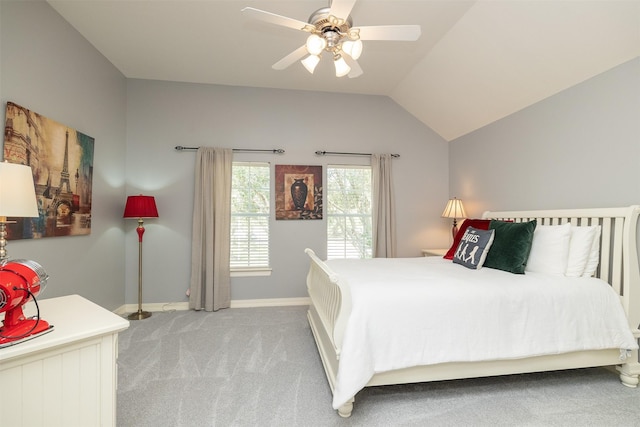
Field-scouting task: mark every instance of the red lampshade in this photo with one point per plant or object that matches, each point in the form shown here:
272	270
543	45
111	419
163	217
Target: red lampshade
140	207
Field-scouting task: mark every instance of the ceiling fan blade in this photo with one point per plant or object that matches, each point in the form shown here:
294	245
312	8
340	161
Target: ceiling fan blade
272	18
290	59
356	70
390	32
341	8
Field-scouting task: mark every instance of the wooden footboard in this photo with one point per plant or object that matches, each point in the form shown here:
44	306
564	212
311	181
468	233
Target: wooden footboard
331	304
328	312
330	297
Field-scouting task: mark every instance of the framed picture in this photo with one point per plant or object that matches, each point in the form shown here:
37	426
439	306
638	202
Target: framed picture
298	192
61	159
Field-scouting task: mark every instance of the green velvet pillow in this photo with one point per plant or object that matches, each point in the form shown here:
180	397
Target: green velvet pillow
511	245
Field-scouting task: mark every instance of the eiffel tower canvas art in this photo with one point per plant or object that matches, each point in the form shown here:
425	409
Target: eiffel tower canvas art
61	159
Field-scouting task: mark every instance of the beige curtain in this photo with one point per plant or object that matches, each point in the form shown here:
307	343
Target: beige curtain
210	274
384	211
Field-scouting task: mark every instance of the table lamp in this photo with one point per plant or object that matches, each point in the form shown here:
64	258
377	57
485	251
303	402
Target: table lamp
17	198
455	210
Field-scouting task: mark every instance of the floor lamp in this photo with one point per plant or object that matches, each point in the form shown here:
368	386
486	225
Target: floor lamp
140	207
455	210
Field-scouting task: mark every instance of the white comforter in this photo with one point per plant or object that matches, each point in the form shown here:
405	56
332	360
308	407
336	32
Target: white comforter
419	311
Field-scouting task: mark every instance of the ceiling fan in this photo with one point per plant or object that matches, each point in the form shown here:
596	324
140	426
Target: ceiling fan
332	31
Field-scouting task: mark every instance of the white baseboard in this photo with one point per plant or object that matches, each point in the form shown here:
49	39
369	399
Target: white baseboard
270	302
242	303
121	311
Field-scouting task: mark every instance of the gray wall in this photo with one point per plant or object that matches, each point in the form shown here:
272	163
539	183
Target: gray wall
47	67
161	115
579	148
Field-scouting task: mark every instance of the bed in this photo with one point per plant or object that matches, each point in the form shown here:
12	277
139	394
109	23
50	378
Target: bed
360	311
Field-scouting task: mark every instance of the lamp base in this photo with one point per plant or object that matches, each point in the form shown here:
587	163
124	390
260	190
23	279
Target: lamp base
139	315
454	230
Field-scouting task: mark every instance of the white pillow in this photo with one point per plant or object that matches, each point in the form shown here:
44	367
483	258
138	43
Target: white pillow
594	256
580	249
550	249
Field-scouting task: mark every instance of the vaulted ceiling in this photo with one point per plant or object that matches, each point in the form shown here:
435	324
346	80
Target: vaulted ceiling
475	62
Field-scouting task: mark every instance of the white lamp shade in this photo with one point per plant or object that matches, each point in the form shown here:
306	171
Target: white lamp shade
17	191
310	62
352	48
454	209
342	68
315	44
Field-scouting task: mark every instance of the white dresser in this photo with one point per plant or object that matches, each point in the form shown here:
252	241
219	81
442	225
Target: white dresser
66	377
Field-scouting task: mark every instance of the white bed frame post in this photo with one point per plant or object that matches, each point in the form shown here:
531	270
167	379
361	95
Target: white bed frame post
630	371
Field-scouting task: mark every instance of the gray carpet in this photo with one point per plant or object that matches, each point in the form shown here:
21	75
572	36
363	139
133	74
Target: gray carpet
260	367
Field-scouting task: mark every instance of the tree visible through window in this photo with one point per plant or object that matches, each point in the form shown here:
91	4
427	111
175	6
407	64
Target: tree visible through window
250	200
348	209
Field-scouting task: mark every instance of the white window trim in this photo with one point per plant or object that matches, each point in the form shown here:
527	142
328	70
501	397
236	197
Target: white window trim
251	272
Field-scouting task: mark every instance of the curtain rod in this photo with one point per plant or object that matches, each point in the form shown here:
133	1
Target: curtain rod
249	150
323	153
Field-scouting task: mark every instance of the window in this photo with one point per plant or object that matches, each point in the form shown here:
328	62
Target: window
348	203
250	200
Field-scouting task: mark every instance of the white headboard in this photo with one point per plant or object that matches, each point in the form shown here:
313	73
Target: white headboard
619	264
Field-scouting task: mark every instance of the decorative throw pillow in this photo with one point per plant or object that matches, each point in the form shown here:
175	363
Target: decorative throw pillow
580	248
480	224
550	249
594	255
473	247
511	245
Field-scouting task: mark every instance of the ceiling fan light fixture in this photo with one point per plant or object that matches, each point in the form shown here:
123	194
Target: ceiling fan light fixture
352	48
310	62
342	68
331	29
315	44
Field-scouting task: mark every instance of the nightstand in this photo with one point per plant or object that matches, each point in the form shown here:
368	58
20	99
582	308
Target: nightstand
434	252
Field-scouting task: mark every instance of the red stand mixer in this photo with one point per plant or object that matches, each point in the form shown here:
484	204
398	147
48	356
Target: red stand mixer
20	281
